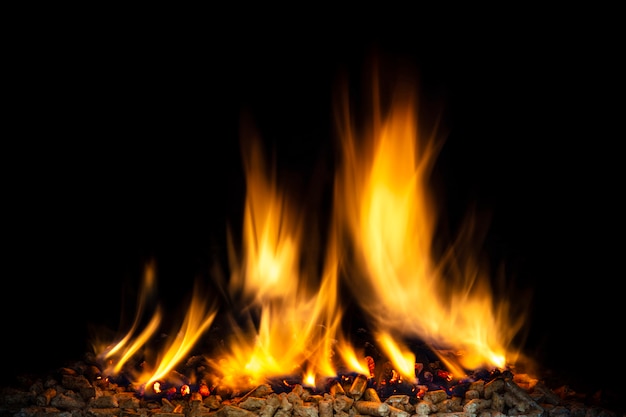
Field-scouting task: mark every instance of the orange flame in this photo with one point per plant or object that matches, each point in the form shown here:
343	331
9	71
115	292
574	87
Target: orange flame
381	239
198	319
382	197
298	318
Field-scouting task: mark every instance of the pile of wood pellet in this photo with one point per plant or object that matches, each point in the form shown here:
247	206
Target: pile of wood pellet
77	393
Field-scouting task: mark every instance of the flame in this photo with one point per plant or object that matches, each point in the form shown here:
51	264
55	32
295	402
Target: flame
401	356
122	351
146	292
353	359
286	315
198	319
298	312
383	199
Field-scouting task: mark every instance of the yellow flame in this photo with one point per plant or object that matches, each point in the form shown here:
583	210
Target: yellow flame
352	359
138	342
298	311
383	199
401	356
147	290
119	353
271	237
197	320
309	379
381	241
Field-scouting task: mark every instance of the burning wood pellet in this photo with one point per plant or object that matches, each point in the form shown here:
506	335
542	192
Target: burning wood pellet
336	388
45	397
342	402
547	394
256	392
397	412
234	411
325	408
474	406
269	408
424	408
478	386
306	411
79	394
372	408
370	394
496	385
518	391
497	402
436	396
213	402
358	387
398	400
472	394
253	403
450	405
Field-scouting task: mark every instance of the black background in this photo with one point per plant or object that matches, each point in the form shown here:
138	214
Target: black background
122	145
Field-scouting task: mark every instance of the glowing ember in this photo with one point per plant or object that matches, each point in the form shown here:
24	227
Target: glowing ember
286	318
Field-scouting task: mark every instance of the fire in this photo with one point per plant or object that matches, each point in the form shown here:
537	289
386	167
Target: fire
197	320
383	199
286	317
298	319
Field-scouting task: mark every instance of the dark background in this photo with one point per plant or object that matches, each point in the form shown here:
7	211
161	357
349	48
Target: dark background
121	144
